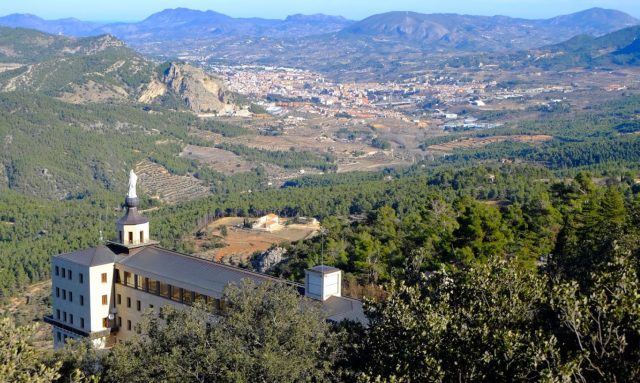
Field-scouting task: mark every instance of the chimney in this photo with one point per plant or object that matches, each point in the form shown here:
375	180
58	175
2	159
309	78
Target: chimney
323	282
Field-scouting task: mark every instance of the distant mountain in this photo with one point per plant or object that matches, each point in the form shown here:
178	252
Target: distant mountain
488	33
183	23
621	47
68	27
594	21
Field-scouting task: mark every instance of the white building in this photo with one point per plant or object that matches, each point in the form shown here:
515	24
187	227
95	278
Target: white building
101	293
269	222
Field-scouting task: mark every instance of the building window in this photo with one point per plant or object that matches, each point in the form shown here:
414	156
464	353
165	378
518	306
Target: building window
81	277
120	236
117	276
138	305
119	321
141	236
82	322
58	314
152	285
176	294
131	237
104	300
128	325
200	298
187	297
164	290
69	275
128	302
103	277
64	294
71	318
58	273
59	335
64	316
128	279
70	296
64	273
119	299
81	300
140	285
57	292
105	322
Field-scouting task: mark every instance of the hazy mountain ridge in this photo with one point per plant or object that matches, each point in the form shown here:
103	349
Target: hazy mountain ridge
446	31
180	23
68	26
487	32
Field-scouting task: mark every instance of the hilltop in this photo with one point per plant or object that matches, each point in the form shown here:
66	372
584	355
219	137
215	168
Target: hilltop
100	69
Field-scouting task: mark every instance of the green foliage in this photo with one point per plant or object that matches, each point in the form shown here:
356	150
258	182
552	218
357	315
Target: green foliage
380	143
267	333
497	322
21	362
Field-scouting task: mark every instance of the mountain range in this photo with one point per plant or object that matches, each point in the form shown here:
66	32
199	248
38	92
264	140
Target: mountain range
445	31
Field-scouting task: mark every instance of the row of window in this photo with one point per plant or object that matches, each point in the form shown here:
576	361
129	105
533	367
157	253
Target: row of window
129	324
68	295
130	240
67	318
138	303
162	289
62	338
67	273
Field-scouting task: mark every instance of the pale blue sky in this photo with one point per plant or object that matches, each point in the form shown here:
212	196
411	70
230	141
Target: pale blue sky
132	10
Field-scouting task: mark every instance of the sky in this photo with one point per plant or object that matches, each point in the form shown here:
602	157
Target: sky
135	10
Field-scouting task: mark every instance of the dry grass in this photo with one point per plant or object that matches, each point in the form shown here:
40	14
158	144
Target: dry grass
241	243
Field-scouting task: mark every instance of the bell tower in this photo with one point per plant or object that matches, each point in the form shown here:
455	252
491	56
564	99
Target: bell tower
133	228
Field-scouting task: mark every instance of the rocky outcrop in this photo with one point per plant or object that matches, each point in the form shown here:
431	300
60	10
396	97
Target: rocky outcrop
265	261
154	90
199	91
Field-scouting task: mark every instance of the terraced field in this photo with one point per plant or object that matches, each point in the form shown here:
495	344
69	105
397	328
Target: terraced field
157	182
474	143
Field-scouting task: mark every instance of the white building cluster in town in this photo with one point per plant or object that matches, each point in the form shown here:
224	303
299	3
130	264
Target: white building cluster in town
101	293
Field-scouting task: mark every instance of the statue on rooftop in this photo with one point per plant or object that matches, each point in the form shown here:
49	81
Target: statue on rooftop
133	179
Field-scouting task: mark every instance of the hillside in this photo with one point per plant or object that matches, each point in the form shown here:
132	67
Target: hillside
102	69
616	48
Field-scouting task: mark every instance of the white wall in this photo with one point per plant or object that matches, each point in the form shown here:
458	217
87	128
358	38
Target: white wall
98	311
71	288
135	229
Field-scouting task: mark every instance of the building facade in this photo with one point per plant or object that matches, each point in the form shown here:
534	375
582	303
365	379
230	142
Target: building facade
102	293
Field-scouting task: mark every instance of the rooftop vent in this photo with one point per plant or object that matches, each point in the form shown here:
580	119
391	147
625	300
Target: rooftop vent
323	282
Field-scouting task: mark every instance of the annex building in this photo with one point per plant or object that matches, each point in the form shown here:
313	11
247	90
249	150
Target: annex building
101	293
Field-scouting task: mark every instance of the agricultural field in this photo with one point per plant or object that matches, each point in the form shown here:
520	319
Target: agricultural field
157	182
475	143
220	160
240	243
